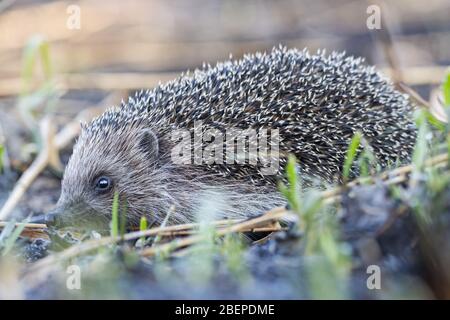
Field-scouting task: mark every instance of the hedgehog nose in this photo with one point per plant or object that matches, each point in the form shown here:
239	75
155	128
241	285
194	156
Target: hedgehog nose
50	219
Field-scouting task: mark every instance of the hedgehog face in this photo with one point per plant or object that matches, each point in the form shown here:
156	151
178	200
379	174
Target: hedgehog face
104	163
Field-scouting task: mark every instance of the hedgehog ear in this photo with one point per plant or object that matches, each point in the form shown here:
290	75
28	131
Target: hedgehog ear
148	143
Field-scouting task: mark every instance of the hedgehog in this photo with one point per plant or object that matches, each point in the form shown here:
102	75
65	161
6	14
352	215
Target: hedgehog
308	105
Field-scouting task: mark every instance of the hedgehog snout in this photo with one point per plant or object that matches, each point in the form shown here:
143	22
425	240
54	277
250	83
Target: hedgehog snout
51	218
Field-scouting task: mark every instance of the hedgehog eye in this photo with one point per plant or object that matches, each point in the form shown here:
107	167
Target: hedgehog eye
103	184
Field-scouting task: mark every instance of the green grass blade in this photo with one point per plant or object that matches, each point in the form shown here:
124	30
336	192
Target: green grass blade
420	149
11	239
2	153
36	47
446	90
293	191
143	225
448	150
351	154
115	216
7	230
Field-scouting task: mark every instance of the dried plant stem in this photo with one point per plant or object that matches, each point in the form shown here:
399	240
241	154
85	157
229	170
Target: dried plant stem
395	176
31	230
40	163
90	245
192	232
275	214
27	225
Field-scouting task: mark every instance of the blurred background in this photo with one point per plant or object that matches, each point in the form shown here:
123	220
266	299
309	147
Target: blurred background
118	42
60	57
